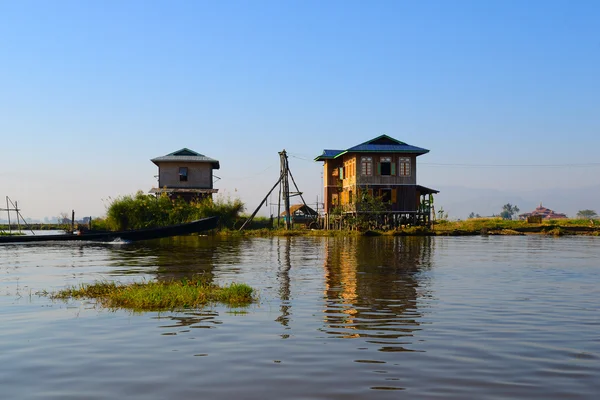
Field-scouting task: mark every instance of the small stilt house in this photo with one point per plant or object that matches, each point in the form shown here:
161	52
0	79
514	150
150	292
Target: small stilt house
302	214
185	174
383	168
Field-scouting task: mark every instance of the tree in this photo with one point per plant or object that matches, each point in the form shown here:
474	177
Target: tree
442	215
587	214
473	215
508	211
369	208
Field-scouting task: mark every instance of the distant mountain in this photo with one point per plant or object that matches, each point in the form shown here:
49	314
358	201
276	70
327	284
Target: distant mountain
459	202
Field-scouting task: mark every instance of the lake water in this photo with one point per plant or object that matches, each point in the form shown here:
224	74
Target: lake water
337	318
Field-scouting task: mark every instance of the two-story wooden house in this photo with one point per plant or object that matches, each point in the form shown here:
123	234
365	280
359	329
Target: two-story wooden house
185	174
384	168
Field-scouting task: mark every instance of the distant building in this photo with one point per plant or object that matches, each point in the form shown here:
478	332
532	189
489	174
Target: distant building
185	174
543	212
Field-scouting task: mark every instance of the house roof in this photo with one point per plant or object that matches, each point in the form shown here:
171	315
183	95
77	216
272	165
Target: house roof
186	155
544	212
304	208
182	190
328	154
426	190
380	144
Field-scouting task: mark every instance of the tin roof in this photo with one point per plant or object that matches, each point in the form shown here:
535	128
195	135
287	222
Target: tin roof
182	190
380	144
426	190
186	155
328	154
302	207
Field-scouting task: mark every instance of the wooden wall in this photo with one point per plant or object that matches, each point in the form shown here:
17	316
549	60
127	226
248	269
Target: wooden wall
199	175
403	188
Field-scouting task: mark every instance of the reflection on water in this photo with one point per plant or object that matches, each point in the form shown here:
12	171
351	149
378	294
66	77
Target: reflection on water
371	288
194	319
495	317
284	265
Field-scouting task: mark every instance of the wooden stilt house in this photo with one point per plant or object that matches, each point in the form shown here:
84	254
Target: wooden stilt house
382	168
185	174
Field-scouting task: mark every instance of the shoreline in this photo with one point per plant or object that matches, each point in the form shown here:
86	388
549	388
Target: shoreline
481	227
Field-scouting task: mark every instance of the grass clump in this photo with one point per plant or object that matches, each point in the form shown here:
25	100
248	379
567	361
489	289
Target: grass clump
160	295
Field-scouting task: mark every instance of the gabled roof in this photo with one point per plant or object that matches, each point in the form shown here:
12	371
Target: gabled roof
186	155
544	212
329	154
380	144
426	190
304	208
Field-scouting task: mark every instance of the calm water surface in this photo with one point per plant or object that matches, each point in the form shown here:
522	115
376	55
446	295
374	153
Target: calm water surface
338	318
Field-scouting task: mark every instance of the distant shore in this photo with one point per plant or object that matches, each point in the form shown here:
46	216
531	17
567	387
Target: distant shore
471	227
35	226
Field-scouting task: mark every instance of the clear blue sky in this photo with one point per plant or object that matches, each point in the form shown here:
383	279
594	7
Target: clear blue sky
91	90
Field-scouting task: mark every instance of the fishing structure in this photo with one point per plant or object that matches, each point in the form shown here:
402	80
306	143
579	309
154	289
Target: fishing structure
17	211
284	193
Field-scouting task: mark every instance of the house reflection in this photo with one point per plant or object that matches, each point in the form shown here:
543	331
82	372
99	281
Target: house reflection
372	286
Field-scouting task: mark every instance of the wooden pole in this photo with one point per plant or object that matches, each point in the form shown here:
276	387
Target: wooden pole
298	190
8	212
286	189
17	211
279	197
72	221
260	205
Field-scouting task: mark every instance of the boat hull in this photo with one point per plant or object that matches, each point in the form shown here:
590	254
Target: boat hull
196	226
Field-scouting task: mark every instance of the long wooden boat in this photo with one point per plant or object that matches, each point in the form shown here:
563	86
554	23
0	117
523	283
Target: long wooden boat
196	226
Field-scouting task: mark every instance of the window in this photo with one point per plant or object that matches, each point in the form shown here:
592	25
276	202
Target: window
183	174
404	166
366	166
350	168
387	167
334	199
386	195
350	196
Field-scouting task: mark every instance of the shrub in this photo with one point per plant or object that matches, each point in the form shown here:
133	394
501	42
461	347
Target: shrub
147	211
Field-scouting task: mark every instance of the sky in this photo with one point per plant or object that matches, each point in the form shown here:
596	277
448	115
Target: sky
504	94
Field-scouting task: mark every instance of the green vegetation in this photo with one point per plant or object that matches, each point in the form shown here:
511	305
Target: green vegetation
160	295
587	214
475	226
509	211
147	211
33	226
442	215
366	204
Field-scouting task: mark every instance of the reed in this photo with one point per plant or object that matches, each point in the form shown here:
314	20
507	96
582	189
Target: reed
160	295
